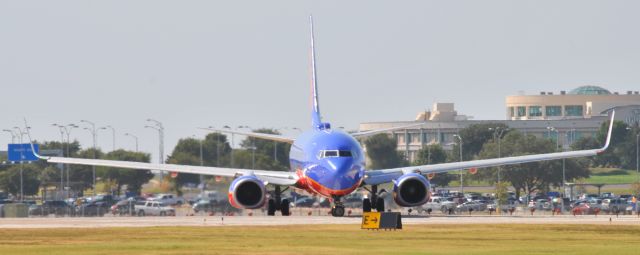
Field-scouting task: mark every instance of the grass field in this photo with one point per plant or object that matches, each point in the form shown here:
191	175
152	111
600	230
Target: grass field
327	239
611	176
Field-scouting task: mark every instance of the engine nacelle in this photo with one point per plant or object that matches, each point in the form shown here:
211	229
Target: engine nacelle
247	192
411	190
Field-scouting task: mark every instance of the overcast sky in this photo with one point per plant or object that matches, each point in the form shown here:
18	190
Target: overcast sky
201	63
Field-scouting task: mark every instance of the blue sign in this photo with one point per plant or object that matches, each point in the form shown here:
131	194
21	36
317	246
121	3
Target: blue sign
22	152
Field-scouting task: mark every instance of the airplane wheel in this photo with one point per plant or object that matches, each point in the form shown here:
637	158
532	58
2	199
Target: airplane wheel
380	205
337	211
366	205
271	207
284	207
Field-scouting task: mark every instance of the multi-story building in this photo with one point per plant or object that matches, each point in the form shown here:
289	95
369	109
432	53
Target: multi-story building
568	117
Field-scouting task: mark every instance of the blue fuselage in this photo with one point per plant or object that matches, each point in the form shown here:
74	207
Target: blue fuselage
328	162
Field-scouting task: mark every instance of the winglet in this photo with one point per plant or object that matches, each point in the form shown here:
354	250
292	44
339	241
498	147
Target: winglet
606	144
33	148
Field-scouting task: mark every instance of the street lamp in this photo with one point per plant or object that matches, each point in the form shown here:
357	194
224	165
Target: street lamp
462	171
135	138
13	136
20	135
550	129
92	130
253	149
160	128
637	156
113	132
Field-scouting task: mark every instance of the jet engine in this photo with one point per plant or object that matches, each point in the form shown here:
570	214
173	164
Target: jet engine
411	190
247	192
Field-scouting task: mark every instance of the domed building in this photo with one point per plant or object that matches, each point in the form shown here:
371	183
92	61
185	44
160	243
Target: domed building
582	102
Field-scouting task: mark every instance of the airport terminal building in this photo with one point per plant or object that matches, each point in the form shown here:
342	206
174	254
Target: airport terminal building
568	116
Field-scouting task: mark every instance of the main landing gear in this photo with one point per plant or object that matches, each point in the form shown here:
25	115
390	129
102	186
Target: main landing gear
338	208
277	203
374	201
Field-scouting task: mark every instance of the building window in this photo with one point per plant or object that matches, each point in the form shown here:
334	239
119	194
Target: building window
554	110
535	111
573	110
512	112
522	111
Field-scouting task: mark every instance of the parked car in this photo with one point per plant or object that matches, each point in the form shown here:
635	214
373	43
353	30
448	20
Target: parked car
544	204
615	205
155	208
57	207
437	204
93	208
124	207
475	206
205	206
304	202
353	201
167	199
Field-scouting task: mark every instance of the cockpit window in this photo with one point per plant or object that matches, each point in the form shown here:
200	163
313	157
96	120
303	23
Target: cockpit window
334	153
329	154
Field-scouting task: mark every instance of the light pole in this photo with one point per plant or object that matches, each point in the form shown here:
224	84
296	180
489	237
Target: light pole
637	156
13	136
92	130
462	171
135	138
21	165
557	135
160	128
66	130
201	164
253	149
113	133
497	137
217	146
230	145
61	128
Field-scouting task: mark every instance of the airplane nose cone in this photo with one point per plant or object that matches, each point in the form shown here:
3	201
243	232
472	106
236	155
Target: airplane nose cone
336	173
339	165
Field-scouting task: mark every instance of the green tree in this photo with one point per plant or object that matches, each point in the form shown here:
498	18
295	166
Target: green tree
269	150
133	178
434	154
10	179
81	176
535	176
186	152
381	150
474	137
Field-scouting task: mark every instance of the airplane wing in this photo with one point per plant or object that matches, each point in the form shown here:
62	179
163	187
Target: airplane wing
387	175
273	177
279	138
383	130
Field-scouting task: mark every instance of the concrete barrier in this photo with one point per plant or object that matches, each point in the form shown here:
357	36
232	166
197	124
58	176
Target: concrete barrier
15	210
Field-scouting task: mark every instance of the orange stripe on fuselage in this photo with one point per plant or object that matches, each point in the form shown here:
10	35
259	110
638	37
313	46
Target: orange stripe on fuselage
327	192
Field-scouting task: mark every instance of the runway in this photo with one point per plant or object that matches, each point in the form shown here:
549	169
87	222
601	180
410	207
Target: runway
103	222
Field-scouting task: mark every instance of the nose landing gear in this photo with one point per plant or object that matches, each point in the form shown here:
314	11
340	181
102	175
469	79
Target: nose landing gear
338	208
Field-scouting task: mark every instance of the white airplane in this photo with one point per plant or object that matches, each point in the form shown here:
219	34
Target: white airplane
330	163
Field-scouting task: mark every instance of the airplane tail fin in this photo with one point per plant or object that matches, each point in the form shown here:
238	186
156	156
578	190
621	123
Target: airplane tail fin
316	120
